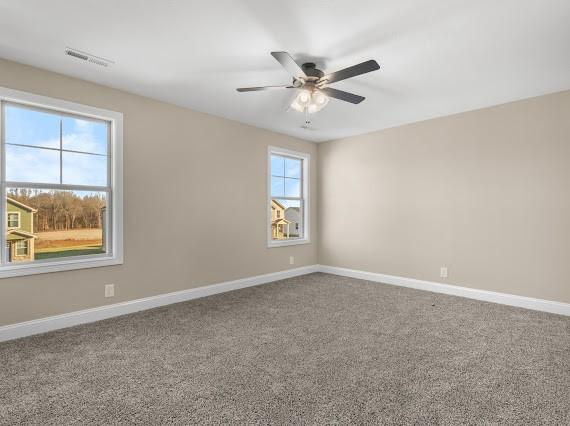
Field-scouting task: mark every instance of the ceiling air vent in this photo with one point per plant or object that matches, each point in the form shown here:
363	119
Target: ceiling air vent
87	57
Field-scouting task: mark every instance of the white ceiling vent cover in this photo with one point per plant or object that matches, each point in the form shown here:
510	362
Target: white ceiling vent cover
88	57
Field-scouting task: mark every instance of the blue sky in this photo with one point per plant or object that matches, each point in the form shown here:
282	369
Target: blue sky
285	179
41	129
288	203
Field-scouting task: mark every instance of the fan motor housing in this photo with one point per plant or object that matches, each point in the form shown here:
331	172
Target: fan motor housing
310	68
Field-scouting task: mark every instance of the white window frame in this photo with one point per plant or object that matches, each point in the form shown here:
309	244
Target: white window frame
305	200
114	228
8	220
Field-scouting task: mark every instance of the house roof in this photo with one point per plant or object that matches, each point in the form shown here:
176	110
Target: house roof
21	205
280	221
278	203
18	233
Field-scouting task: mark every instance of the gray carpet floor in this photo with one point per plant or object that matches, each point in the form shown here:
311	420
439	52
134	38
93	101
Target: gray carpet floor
317	349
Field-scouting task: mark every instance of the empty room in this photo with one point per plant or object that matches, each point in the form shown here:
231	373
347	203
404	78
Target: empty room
285	212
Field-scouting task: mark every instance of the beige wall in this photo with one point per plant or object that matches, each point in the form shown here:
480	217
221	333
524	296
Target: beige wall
485	193
212	170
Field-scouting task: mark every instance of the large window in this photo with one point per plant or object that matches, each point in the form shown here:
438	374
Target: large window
288	197
61	185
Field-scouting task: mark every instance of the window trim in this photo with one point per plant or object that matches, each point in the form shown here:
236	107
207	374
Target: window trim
115	171
305	200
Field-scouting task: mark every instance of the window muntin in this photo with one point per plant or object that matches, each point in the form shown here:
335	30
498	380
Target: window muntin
288	172
286	176
64	221
43	142
44	147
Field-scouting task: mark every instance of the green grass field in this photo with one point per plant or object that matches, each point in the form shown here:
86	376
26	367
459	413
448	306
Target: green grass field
51	253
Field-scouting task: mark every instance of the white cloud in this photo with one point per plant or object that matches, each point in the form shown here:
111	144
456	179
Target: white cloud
83	125
85	136
84	169
32	165
26	164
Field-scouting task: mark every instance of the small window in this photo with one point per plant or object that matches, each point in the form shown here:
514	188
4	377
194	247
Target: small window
288	197
13	220
22	248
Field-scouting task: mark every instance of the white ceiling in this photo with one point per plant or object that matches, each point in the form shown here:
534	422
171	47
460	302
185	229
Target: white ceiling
437	57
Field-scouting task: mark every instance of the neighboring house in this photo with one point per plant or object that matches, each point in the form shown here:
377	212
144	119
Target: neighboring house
280	227
293	215
19	231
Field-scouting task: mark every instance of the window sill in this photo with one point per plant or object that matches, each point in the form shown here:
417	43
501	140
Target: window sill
285	243
54	266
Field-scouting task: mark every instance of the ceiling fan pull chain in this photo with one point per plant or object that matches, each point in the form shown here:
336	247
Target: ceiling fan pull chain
307	121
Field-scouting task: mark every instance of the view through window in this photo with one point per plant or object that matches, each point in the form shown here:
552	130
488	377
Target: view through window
287	201
57	189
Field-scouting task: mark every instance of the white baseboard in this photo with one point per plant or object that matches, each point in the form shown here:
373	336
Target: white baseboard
470	293
43	325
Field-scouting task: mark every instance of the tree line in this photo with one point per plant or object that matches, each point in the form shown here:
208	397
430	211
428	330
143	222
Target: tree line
61	210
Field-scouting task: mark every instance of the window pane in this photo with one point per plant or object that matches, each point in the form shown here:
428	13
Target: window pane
84	169
85	135
292	187
292	168
37	165
277	186
286	219
55	224
30	127
277	165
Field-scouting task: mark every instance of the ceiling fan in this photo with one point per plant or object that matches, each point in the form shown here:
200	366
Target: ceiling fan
313	83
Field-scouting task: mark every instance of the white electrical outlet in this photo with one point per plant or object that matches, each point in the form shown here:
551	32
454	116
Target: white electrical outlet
443	272
109	290
291	260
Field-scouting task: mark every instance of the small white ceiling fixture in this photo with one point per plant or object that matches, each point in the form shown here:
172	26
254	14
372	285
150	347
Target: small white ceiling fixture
88	57
438	57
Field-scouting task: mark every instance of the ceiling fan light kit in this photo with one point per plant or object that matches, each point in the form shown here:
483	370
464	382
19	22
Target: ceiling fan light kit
310	102
312	83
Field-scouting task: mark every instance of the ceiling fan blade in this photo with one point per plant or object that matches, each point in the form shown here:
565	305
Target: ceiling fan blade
349	72
342	95
289	64
257	89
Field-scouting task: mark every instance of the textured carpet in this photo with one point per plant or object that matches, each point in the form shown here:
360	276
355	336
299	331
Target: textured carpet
317	349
